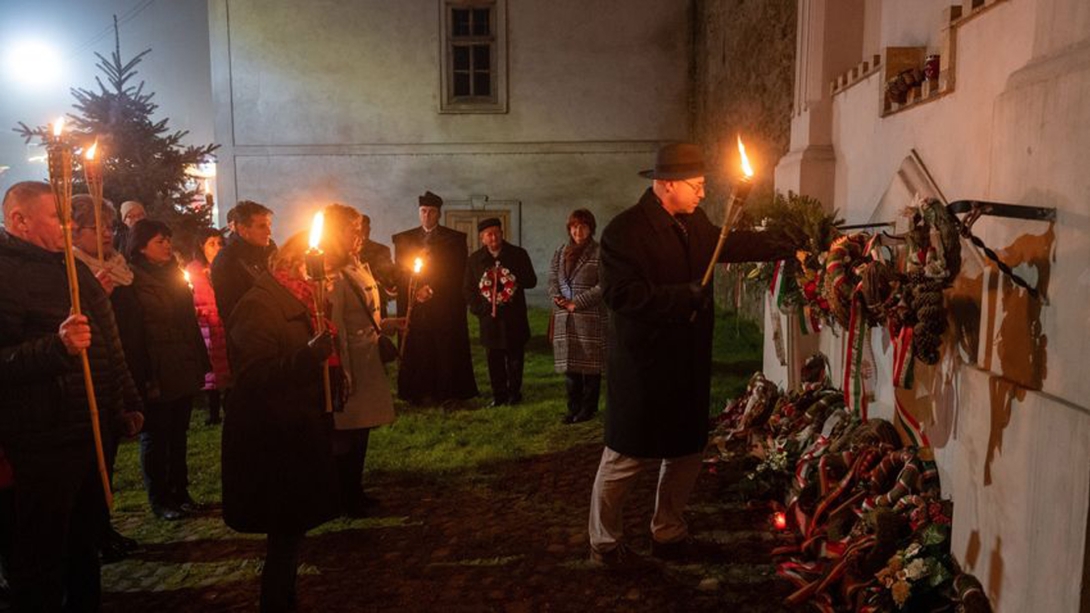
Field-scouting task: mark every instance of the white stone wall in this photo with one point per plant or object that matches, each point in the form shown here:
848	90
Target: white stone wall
324	100
1010	422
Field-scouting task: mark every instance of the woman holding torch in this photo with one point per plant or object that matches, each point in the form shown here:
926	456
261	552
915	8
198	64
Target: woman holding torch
279	477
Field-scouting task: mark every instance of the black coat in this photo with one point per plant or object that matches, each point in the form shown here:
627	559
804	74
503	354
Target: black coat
437	361
44	403
177	358
278	469
510	328
659	362
234	271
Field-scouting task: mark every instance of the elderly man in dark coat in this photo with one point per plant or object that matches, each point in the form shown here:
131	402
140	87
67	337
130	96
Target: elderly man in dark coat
659	359
45	426
436	364
506	272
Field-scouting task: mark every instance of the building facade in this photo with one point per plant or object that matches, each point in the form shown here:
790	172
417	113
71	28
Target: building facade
491	104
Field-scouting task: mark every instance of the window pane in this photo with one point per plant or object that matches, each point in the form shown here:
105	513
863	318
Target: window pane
482	83
461	84
461	58
482	57
460	22
481	22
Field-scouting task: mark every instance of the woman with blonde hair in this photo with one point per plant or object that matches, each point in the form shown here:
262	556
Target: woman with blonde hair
278	469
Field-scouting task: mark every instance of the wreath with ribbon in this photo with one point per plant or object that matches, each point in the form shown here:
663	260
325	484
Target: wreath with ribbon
503	280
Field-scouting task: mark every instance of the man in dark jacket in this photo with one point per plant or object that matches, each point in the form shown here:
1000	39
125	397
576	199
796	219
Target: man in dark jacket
660	344
45	425
505	272
244	257
377	257
436	365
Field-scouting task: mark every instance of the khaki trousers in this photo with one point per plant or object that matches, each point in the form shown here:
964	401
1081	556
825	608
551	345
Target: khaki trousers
617	475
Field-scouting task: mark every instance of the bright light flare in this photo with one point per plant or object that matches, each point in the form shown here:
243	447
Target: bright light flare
418	265
779	520
90	153
746	168
58	127
33	64
185	273
316	230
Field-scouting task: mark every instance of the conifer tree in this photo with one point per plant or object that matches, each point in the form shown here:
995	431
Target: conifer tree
144	160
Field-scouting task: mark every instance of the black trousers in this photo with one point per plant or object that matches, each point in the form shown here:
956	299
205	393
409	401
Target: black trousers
505	372
163	444
59	515
350	453
583	392
279	573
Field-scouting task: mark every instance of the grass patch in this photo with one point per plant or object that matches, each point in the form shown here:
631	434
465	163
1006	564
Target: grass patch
431	442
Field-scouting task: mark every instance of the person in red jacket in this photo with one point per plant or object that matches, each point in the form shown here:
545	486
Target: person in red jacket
218	381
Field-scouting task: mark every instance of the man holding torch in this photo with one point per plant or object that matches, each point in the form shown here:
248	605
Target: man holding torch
654	256
45	425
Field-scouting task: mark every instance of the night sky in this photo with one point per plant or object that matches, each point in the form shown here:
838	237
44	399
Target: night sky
177	69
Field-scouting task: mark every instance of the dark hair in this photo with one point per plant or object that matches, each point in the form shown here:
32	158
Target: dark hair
83	211
246	210
232	215
25	190
582	216
366	219
202	236
142	233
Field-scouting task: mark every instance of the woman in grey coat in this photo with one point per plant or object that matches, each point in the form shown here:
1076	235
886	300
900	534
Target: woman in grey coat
579	317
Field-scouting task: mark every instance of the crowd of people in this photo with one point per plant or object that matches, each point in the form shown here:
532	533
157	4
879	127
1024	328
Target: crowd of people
292	356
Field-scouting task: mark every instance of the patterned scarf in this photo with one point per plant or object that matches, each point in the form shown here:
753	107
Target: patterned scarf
115	266
304	292
572	253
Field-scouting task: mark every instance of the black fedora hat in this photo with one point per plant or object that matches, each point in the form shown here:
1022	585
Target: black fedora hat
676	162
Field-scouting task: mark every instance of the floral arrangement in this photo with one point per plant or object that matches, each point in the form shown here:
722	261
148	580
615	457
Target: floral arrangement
503	279
861	514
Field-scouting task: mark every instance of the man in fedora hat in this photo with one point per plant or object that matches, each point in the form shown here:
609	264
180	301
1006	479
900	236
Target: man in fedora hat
660	337
436	366
505	327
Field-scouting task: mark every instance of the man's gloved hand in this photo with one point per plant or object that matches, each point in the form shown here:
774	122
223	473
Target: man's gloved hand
700	296
321	346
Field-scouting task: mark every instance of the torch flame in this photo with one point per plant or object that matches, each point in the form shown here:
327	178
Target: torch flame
746	168
207	189
316	230
185	273
418	264
58	126
90	153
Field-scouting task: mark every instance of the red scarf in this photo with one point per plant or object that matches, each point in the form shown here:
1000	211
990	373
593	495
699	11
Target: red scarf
304	292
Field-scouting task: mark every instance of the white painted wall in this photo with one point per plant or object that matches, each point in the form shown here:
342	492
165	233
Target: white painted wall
328	100
1015	130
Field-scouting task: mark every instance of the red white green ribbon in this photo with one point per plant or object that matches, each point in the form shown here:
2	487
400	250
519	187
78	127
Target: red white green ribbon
907	425
855	393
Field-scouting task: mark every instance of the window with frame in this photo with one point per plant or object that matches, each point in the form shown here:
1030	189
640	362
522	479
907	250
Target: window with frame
474	78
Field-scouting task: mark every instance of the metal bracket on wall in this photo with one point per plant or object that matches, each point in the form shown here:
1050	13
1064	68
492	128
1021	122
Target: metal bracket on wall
974	209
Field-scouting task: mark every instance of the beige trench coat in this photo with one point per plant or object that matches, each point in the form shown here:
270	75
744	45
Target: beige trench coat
369	403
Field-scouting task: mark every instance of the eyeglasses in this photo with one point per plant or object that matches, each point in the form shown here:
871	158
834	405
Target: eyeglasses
697	189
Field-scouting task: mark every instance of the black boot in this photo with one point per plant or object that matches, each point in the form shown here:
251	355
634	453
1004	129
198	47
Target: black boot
573	382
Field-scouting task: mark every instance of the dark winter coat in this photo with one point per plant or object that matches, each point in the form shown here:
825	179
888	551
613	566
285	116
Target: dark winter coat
44	402
278	469
377	257
437	360
234	271
579	336
659	362
510	328
173	346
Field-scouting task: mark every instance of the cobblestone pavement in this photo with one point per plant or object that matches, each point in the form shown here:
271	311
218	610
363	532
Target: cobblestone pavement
508	538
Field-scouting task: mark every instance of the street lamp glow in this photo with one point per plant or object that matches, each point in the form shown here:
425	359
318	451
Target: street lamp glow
33	63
